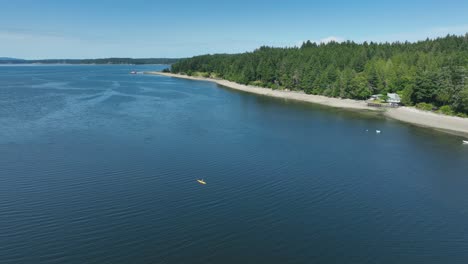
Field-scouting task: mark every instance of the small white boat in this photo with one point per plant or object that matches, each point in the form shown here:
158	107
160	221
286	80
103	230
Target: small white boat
133	72
377	131
465	142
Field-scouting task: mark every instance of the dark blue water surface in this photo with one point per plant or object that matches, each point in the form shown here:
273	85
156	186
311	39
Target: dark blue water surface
100	166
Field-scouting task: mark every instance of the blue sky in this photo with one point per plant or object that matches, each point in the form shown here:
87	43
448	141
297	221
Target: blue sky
136	28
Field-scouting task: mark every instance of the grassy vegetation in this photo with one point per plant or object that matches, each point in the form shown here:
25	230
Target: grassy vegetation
425	106
445	109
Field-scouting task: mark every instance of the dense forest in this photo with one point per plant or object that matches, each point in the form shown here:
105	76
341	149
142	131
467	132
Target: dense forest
91	61
428	73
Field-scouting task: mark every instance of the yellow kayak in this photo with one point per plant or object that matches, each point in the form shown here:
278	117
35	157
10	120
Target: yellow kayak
201	181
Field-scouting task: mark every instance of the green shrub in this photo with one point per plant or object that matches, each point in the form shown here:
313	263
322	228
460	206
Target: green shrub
425	106
446	110
257	83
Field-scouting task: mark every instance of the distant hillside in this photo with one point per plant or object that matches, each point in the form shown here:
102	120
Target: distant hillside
3	59
7	58
130	61
92	61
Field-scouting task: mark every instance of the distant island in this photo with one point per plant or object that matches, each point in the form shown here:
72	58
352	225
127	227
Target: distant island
5	60
430	74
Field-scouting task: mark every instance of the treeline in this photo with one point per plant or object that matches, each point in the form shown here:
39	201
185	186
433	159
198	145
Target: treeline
94	61
428	72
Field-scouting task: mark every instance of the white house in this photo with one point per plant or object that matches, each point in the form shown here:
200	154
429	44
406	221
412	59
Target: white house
393	99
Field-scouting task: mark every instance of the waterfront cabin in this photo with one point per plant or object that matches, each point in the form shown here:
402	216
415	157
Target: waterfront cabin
393	99
375	97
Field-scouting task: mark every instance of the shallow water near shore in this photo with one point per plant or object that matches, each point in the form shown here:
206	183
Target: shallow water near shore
99	166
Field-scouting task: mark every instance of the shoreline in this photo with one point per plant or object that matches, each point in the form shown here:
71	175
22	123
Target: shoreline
448	124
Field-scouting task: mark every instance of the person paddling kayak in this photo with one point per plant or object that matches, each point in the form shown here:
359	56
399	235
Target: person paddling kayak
201	181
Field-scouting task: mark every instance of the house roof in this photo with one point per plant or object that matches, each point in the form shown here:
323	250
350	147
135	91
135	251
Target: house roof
393	98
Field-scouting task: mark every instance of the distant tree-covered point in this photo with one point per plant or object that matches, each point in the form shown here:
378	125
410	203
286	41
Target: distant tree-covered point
130	61
433	72
93	61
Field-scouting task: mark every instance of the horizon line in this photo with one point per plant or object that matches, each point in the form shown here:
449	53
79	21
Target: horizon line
327	41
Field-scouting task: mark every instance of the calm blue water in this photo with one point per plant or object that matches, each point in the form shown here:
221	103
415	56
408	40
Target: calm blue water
100	166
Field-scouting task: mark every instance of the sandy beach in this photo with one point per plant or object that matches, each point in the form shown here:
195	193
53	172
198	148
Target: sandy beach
450	124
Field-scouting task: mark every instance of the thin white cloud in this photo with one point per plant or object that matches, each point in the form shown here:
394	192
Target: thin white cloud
322	40
331	39
433	32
